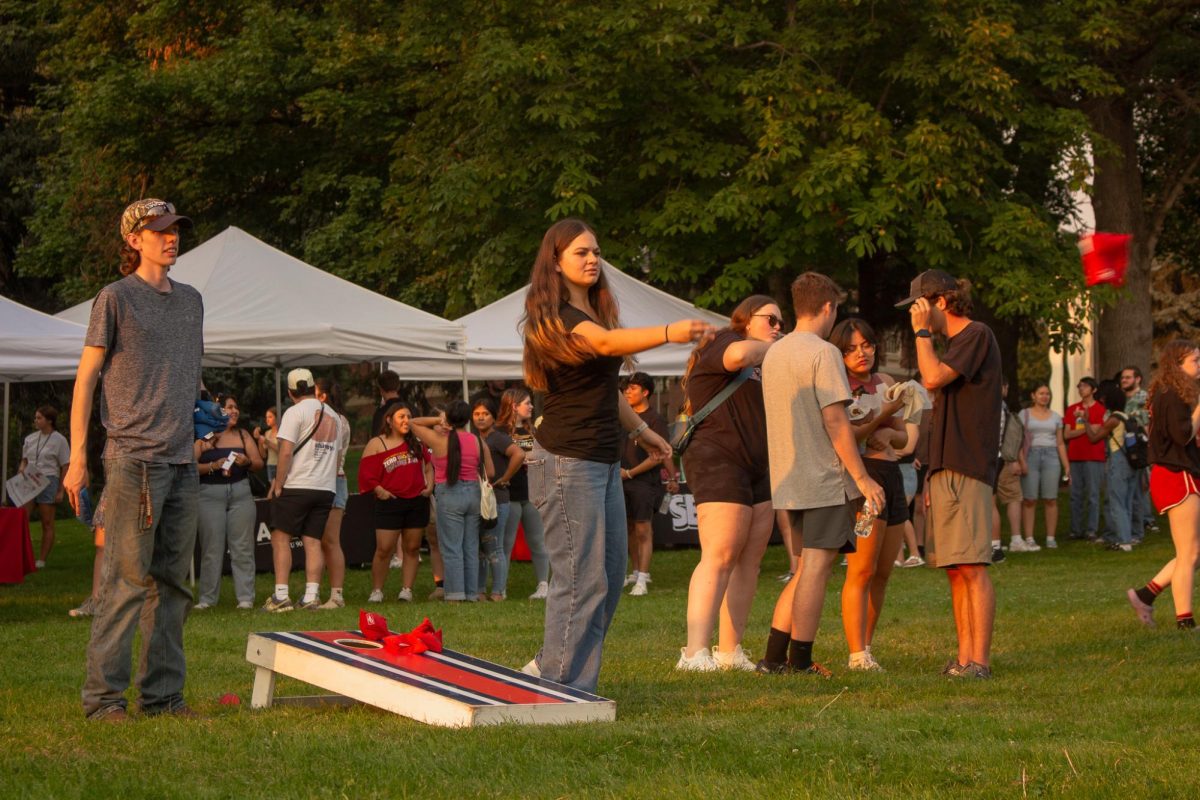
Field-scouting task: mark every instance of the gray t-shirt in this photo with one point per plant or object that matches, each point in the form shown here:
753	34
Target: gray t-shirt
802	374
151	375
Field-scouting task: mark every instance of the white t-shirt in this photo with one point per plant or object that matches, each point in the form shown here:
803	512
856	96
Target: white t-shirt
46	453
802	374
315	465
343	445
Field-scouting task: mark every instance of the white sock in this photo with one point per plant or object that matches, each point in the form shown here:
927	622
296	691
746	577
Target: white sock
310	592
336	594
281	591
995	544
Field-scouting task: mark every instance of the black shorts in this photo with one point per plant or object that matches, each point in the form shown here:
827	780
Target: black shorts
641	499
713	478
826	528
402	513
887	474
301	512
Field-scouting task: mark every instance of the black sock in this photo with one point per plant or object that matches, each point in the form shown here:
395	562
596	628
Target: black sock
438	584
921	550
1185	621
799	654
777	645
1145	595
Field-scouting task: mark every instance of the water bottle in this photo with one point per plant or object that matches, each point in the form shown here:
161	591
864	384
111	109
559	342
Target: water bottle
665	506
866	518
85	507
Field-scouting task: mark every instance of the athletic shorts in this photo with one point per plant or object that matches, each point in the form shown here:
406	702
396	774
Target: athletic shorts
641	499
1008	485
1169	488
713	478
342	493
301	512
958	528
402	513
826	528
888	475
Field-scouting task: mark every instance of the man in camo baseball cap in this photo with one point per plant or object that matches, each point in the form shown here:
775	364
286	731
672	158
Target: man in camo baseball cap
150	214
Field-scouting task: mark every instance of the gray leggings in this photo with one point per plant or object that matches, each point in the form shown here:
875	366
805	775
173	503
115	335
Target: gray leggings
523	512
226	518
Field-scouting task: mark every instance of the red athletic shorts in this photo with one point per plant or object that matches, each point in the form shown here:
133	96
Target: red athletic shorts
1169	488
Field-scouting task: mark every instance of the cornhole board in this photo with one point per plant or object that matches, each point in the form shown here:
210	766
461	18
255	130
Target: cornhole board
449	689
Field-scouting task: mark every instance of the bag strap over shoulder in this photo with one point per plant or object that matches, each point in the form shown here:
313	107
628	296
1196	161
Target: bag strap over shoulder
721	396
304	441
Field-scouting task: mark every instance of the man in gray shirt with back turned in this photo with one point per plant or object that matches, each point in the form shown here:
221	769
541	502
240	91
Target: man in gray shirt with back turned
145	336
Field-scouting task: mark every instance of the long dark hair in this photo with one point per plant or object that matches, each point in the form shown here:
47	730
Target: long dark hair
739	322
507	419
548	343
410	438
333	394
458	414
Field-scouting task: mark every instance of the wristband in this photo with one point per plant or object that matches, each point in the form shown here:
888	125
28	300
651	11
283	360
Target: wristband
636	432
924	333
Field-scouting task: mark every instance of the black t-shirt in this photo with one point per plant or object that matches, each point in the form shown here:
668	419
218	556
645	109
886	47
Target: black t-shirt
498	441
1172	445
580	413
518	487
963	434
635	455
739	425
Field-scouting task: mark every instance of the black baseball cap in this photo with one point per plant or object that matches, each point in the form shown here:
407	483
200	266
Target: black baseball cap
929	283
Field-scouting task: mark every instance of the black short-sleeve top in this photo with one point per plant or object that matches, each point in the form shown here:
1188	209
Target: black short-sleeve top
738	427
579	411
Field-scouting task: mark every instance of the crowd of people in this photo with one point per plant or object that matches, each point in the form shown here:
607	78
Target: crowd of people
797	430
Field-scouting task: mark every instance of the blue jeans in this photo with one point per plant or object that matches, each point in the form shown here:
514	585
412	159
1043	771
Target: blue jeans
1122	483
491	553
226	519
143	584
583	508
1086	477
1143	510
524	512
458	537
1045	471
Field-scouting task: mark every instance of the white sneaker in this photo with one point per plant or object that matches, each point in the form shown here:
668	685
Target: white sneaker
1051	543
701	662
376	596
532	669
405	595
785	577
245	605
865	664
1031	546
39	564
737	660
913	561
542	591
639	589
332	603
631	579
1017	545
397	562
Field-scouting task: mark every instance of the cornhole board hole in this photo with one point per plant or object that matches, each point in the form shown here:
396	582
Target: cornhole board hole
448	688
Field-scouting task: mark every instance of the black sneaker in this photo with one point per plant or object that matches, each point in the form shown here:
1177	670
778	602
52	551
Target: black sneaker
772	667
998	555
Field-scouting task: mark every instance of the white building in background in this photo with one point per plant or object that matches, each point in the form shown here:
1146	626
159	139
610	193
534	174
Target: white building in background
1067	368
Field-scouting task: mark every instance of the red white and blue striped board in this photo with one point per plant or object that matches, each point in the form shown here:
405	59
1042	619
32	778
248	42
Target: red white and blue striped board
450	689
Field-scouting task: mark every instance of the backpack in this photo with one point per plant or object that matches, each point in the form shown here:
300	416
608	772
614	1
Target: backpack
1136	445
1014	437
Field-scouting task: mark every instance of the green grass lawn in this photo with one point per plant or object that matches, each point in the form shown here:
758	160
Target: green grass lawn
1085	702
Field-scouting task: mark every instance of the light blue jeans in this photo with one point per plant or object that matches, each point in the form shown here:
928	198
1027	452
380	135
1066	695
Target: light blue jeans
1086	477
1143	510
583	508
1045	470
458	537
491	553
143	584
227	516
1122	484
525	513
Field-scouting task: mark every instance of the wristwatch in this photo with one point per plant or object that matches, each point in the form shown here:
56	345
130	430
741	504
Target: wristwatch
924	333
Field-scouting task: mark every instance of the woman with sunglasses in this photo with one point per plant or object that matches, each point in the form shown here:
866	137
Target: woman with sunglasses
882	434
726	468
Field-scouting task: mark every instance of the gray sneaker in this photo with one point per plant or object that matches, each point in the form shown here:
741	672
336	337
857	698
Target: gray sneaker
954	669
1145	613
974	670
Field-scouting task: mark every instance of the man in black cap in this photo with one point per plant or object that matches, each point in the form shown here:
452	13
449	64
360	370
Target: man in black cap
963	444
145	335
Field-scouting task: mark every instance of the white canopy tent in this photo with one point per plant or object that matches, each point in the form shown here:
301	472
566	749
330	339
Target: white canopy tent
265	308
495	346
33	347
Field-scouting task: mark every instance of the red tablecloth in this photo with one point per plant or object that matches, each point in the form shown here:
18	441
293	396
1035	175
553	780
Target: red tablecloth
16	549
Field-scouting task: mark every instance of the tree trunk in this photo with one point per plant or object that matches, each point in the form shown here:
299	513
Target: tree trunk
1125	333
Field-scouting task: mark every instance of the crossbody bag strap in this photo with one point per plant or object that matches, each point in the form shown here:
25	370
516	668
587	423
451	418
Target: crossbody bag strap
722	396
304	441
479	439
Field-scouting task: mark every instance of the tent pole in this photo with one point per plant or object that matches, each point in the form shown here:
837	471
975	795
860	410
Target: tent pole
466	389
4	474
278	395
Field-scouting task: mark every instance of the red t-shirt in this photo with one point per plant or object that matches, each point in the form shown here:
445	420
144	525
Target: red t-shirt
1081	448
396	470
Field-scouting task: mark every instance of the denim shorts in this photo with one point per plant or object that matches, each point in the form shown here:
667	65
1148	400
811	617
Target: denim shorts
1045	471
342	493
48	496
